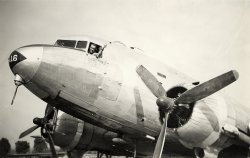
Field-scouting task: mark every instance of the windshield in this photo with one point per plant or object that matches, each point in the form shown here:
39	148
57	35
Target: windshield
66	43
81	44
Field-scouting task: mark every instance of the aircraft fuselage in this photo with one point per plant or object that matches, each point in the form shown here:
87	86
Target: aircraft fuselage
108	92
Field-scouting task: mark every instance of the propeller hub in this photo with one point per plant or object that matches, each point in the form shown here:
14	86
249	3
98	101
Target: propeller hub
164	103
38	121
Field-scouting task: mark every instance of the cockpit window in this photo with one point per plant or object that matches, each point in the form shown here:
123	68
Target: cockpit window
81	44
95	50
66	43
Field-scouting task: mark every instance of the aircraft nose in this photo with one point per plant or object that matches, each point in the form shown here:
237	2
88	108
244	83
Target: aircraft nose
25	61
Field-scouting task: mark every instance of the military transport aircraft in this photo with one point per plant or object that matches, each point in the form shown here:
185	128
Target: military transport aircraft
121	102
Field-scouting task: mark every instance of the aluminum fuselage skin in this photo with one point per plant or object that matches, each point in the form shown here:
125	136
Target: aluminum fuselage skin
108	92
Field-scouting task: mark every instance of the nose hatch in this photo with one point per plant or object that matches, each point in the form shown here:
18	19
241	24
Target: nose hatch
15	57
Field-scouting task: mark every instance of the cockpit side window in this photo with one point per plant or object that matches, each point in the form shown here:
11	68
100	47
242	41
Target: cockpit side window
66	43
95	50
81	44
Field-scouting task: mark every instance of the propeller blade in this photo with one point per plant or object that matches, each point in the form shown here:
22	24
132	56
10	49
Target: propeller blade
54	118
161	139
51	144
14	95
28	131
48	111
207	88
36	137
150	81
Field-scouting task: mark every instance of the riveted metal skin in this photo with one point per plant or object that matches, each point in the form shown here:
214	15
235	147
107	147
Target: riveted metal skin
108	93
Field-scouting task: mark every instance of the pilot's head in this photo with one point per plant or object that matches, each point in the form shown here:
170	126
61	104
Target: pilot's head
92	48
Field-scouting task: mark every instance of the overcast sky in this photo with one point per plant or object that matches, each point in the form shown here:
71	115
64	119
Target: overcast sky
202	38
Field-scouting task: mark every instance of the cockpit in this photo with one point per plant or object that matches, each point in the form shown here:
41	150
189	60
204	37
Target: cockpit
91	46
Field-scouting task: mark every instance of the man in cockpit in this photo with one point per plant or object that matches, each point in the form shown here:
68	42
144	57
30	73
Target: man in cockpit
95	50
92	48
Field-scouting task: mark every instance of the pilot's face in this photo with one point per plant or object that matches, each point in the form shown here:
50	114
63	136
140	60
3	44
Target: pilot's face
92	49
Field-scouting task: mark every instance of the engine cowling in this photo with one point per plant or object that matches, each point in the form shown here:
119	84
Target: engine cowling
74	134
205	124
198	124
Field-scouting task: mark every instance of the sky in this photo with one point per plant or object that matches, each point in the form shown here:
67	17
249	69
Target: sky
202	38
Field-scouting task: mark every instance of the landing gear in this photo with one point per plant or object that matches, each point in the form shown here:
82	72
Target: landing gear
134	156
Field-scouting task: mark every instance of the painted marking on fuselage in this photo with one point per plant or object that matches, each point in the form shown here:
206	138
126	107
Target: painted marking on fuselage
139	107
78	134
212	119
15	58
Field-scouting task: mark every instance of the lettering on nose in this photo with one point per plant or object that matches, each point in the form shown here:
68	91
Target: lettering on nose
15	57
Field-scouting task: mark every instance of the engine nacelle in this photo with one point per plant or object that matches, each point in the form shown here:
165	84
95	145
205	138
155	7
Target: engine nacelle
198	124
72	133
204	127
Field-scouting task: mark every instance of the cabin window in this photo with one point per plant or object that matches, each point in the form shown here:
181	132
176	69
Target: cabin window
81	44
66	43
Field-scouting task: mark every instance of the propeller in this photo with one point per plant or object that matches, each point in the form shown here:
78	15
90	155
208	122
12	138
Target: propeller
45	124
166	104
207	88
18	82
28	131
38	137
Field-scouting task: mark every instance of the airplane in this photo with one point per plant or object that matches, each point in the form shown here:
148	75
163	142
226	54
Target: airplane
119	101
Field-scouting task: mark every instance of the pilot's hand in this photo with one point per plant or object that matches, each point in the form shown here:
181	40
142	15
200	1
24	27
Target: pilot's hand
96	55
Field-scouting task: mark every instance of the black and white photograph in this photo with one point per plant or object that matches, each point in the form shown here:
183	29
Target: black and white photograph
125	78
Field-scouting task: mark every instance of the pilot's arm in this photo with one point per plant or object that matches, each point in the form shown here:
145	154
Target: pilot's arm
99	53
